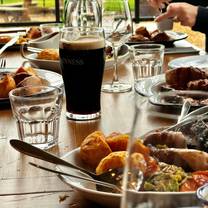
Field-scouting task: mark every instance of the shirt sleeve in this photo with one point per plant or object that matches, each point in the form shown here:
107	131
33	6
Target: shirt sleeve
201	20
203	3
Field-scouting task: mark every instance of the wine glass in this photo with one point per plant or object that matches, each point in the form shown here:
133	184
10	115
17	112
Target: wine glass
82	13
117	25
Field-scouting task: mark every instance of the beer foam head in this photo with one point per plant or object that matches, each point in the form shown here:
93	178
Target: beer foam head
84	43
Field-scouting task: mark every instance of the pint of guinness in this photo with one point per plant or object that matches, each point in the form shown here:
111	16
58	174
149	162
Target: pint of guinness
82	59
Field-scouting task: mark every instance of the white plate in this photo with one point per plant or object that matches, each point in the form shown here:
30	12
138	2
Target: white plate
88	189
144	86
53	78
175	98
199	61
54	65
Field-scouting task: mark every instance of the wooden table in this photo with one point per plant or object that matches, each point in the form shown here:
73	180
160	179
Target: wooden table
25	186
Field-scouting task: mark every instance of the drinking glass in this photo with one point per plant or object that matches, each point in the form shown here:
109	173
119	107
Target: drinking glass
37	111
82	59
82	13
117	25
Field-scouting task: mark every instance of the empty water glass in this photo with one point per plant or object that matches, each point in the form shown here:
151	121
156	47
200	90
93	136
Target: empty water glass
147	60
37	111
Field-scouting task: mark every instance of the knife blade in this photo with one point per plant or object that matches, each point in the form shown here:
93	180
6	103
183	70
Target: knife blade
8	44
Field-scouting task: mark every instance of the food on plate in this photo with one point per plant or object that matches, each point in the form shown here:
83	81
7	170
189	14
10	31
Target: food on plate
32	81
138	37
188	159
194	181
164	168
28	70
143	31
109	52
33	33
142	34
200	84
158	36
117	141
167	138
7	83
5	39
48	54
180	78
94	148
138	146
111	161
23	76
168	178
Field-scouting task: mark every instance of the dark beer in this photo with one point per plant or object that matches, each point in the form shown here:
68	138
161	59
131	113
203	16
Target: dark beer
82	64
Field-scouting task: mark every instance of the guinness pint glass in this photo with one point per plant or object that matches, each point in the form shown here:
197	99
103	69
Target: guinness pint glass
82	59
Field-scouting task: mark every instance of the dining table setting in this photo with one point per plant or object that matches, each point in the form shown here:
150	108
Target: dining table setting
111	116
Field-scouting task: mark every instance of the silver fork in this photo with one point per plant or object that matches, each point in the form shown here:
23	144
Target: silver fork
2	63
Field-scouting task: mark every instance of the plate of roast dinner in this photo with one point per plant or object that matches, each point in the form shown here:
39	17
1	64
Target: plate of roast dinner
172	171
11	78
180	84
167	38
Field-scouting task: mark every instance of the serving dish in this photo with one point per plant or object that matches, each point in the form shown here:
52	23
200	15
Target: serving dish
54	65
176	98
88	189
54	79
174	36
199	61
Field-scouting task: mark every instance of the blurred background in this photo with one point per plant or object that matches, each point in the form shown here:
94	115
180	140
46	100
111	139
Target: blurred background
34	12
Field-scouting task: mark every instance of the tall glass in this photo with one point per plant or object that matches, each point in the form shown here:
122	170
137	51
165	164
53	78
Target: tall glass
82	13
82	59
117	24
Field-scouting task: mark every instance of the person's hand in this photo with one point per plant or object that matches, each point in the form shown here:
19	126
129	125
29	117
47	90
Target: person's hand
158	4
182	12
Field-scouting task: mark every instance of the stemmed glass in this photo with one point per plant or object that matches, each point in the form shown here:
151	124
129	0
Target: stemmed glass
117	25
84	13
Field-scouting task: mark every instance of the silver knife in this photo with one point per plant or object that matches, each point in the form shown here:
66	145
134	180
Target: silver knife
8	44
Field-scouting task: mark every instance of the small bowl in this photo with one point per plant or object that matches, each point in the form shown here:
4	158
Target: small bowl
202	194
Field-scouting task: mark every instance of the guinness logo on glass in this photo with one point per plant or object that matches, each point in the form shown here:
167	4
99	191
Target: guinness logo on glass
73	61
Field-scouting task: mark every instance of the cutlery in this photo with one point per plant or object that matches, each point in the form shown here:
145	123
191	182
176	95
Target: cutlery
8	44
101	183
33	151
184	110
113	176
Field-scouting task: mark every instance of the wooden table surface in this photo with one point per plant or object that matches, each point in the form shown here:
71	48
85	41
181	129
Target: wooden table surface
24	186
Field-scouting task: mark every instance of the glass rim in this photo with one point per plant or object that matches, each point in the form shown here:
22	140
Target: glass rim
72	28
18	89
147	46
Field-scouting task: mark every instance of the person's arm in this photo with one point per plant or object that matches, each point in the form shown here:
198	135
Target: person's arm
183	12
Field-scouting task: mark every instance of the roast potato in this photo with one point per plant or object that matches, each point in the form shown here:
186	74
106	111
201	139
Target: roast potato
94	148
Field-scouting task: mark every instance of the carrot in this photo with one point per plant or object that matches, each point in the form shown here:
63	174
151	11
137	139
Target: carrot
199	178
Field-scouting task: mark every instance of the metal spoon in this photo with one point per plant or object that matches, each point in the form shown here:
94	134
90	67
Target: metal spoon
113	176
101	183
